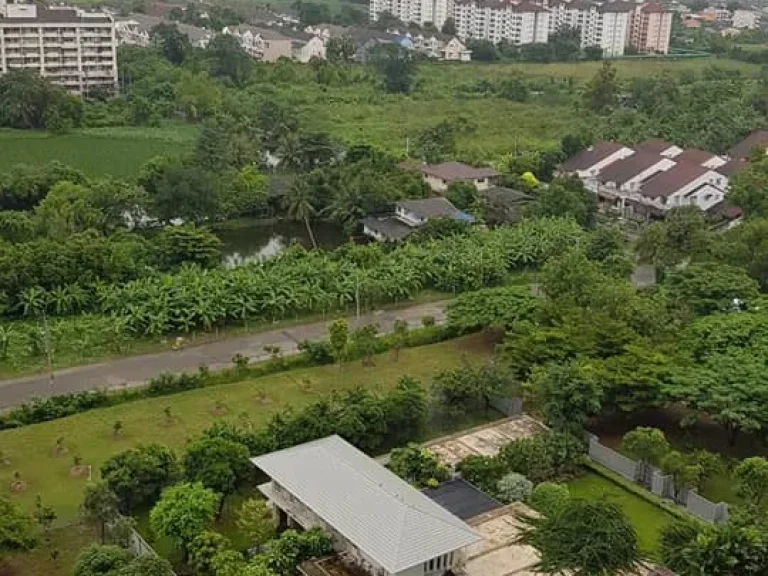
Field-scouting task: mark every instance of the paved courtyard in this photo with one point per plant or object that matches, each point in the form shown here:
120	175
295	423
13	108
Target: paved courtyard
484	440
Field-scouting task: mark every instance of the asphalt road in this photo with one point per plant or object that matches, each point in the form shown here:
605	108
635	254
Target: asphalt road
136	370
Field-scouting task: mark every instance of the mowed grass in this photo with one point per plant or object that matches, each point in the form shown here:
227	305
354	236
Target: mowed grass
647	519
32	449
118	152
66	541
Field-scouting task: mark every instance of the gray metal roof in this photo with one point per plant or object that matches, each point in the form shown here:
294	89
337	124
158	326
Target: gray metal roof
430	208
381	514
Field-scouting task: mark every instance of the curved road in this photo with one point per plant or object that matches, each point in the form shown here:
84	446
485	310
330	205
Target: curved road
135	370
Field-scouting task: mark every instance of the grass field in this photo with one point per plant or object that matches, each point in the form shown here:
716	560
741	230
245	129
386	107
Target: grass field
647	519
67	541
358	112
119	152
32	449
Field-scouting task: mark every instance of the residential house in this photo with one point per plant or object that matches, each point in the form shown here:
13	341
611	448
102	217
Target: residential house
455	50
439	176
263	44
651	28
588	163
377	521
409	216
131	33
626	176
746	19
757	140
685	184
136	27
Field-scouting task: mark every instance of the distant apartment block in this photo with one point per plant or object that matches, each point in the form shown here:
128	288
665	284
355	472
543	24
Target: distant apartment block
601	24
71	47
417	11
494	20
651	28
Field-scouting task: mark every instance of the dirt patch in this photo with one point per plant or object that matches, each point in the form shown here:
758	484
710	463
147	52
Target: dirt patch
59	451
169	422
219	411
264	400
78	471
18	486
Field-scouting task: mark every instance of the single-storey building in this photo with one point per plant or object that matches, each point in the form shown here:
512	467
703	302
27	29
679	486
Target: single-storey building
377	521
440	176
588	163
409	216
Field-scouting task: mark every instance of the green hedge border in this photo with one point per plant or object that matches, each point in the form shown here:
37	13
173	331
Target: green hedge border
639	491
168	384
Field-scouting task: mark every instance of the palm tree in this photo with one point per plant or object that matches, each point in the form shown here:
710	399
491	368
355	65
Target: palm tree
298	204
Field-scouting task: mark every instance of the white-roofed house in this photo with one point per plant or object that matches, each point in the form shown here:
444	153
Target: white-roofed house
377	520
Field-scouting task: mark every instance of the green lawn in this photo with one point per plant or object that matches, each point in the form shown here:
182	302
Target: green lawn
31	450
647	519
118	152
43	561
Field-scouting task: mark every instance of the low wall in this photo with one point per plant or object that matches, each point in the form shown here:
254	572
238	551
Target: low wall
659	483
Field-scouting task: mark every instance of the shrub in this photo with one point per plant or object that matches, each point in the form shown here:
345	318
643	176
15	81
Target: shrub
513	487
417	465
485	472
549	497
318	352
544	457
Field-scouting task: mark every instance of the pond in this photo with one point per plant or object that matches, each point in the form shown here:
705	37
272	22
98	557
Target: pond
253	240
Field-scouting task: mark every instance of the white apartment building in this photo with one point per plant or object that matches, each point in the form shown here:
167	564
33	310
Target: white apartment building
605	25
497	20
418	11
71	47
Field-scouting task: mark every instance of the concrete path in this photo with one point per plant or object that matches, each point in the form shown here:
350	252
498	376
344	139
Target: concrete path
135	370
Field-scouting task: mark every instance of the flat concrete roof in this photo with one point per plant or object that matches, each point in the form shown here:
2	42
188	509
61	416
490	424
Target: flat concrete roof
484	440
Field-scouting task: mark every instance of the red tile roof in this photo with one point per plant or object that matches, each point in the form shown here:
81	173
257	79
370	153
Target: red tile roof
654	145
667	183
695	156
731	167
623	170
591	156
758	139
457	171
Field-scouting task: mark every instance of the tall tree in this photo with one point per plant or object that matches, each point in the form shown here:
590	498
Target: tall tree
602	92
228	59
183	512
16	532
137	476
590	538
396	65
299	206
219	464
173	44
566	398
100	507
340	49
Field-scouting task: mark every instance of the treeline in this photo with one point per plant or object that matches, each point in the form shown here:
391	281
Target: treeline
710	112
563	46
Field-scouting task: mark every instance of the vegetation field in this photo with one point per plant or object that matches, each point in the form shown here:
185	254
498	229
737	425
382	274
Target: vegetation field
358	113
32	450
647	519
118	152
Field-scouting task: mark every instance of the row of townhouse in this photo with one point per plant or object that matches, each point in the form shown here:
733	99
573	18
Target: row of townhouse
610	25
74	48
651	178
